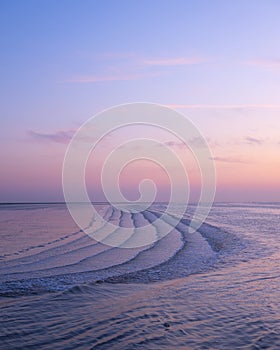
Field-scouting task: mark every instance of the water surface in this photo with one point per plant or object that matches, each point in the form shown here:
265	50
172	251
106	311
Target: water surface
215	289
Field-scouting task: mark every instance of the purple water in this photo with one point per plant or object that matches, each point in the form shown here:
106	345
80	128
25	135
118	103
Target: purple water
216	289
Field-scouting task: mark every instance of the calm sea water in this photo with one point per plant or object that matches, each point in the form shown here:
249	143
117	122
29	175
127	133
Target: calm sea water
216	289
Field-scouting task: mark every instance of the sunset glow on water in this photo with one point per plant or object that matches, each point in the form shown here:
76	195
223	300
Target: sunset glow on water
140	174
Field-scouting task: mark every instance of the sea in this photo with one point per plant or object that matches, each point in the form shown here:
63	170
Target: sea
216	288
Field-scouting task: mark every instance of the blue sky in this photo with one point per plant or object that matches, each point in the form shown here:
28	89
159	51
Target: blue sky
62	61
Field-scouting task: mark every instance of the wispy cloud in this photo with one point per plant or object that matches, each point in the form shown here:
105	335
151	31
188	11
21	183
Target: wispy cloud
175	61
230	160
59	136
223	106
104	78
178	144
195	142
265	63
107	55
136	57
253	140
129	66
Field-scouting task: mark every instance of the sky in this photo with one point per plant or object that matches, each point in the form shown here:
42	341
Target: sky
216	62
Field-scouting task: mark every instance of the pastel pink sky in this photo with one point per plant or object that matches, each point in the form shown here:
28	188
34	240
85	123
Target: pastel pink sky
246	158
212	61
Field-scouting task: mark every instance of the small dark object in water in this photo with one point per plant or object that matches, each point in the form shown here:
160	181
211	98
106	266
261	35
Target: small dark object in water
166	324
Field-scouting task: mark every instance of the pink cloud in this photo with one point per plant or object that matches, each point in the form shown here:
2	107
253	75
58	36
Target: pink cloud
134	68
266	63
230	160
223	106
177	61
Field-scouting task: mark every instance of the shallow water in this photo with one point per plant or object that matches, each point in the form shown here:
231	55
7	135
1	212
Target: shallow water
216	289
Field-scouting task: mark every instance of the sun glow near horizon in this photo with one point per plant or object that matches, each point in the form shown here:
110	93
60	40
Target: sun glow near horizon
60	80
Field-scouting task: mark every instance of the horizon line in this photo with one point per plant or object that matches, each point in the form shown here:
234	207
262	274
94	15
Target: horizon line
105	202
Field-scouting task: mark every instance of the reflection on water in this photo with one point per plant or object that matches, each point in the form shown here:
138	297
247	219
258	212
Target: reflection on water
232	304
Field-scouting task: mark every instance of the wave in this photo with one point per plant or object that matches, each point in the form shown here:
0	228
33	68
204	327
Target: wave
74	259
